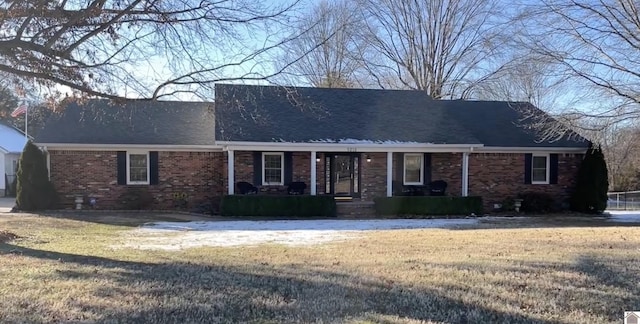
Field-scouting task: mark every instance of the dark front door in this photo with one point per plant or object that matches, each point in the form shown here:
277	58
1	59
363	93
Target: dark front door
343	178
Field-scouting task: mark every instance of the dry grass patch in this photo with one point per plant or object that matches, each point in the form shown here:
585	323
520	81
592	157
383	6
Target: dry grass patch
62	270
7	236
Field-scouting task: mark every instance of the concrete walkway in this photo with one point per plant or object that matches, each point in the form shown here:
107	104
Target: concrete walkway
6	203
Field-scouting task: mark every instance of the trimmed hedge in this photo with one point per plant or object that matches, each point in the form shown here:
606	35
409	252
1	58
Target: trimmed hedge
428	205
274	206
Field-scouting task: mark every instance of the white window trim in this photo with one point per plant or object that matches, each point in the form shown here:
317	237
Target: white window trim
548	158
264	182
404	169
129	182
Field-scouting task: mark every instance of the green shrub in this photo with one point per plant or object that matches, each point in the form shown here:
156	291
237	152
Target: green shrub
209	206
428	205
590	194
136	198
538	202
34	190
509	204
273	206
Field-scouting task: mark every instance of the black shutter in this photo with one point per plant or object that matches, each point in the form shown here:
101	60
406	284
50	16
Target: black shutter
553	171
399	157
153	168
527	167
288	168
427	168
122	167
257	168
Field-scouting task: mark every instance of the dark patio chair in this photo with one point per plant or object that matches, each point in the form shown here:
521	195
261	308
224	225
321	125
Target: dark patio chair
438	188
245	188
296	188
400	189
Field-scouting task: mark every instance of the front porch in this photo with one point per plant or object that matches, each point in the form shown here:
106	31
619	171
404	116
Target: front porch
350	174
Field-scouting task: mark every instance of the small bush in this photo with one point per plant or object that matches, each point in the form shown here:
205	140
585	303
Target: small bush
538	202
274	206
428	205
136	198
208	206
509	204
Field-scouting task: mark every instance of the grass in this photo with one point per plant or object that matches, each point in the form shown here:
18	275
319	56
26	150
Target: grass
63	270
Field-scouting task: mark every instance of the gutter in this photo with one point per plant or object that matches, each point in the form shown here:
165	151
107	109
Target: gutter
124	147
346	147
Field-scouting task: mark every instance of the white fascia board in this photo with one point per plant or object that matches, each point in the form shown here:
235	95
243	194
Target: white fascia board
125	147
495	149
335	147
3	150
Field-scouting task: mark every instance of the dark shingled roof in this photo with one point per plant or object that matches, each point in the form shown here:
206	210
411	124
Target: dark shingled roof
297	114
133	122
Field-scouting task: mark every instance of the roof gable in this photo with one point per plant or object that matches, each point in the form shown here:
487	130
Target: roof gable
250	113
12	140
273	114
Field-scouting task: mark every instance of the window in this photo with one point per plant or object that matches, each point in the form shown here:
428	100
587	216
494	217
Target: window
272	168
413	173
15	166
137	167
540	169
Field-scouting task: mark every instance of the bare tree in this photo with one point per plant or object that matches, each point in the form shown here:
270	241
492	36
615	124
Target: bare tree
531	78
527	78
329	47
441	47
139	48
621	146
595	41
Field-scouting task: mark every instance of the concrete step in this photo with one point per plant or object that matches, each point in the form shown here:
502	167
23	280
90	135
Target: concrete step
355	209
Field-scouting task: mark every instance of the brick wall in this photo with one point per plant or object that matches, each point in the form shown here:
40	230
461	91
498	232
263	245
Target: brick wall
448	167
373	178
301	168
94	173
373	174
243	167
496	177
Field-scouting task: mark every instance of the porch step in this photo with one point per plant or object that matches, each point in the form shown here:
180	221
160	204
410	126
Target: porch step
355	209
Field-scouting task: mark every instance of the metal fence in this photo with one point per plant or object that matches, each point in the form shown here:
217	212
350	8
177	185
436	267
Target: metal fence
627	200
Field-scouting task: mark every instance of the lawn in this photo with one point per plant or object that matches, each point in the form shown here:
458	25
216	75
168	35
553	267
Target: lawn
63	269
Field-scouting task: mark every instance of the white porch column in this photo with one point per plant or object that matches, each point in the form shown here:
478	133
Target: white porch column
465	174
389	174
314	167
230	172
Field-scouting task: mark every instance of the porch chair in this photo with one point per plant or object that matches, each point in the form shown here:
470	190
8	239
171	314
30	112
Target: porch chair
245	188
437	188
296	188
400	189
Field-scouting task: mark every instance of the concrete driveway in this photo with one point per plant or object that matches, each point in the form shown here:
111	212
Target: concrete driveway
6	203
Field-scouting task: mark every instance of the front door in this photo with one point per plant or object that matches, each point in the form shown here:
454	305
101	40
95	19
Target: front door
343	178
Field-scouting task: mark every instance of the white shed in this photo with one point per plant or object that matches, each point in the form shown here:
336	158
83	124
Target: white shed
12	143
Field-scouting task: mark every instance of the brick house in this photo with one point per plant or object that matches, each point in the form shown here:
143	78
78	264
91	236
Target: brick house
355	144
